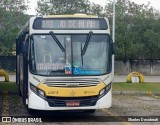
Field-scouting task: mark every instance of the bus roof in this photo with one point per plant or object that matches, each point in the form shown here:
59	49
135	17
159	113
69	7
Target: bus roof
68	16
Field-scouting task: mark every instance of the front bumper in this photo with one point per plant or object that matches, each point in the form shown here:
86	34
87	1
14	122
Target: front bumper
36	102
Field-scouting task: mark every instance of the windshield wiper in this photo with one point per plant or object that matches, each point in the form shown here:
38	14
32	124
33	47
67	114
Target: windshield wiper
86	43
57	41
81	55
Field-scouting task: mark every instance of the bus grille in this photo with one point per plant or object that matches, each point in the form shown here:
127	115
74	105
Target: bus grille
61	101
77	82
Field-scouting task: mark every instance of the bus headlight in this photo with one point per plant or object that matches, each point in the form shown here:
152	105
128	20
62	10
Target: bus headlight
37	91
104	91
41	93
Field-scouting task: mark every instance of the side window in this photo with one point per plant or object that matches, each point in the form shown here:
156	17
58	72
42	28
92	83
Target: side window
32	59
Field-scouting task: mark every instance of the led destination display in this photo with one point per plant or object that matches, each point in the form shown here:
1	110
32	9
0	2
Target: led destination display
70	23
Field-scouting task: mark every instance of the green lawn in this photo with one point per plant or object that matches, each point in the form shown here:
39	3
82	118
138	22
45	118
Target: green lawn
8	86
154	87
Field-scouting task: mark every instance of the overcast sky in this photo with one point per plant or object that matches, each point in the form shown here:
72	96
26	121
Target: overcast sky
154	3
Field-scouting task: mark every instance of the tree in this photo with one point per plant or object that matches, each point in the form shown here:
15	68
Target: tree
14	5
11	21
67	7
133	24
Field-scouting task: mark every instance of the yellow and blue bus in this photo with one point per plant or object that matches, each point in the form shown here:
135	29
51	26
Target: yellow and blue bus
64	62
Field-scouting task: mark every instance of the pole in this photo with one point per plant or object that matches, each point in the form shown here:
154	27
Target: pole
113	38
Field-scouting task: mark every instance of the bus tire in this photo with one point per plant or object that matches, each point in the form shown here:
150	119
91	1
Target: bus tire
31	111
90	111
25	82
19	90
24	93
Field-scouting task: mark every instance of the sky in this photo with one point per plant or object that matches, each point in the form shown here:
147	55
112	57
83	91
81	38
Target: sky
154	3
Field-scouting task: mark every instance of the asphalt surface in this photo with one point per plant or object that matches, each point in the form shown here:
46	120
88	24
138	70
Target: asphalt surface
12	78
124	106
119	78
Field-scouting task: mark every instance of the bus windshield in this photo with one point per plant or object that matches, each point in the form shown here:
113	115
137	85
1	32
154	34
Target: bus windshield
47	58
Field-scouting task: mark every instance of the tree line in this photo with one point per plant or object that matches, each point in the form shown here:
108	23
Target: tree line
137	26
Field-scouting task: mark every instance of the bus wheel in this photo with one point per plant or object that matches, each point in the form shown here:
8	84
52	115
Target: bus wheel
24	98
90	111
31	111
24	94
19	90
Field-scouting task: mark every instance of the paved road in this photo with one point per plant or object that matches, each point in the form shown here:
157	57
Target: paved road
123	105
12	78
120	78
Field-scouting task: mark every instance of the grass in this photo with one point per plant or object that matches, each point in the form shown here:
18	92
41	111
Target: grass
8	86
123	86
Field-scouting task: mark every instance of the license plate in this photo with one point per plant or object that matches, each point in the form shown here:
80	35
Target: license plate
72	103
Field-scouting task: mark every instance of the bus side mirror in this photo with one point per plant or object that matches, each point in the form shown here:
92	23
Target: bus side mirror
113	48
26	37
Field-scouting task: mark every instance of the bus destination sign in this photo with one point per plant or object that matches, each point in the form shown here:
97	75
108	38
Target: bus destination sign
70	24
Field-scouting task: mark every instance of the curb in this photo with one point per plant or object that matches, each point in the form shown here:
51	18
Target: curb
135	93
